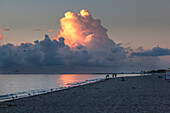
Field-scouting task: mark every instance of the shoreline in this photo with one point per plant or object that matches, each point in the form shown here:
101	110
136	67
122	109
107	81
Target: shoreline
18	95
141	93
50	90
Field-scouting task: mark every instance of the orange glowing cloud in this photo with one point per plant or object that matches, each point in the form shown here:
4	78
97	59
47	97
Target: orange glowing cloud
50	30
73	28
26	42
4	29
84	13
1	36
69	14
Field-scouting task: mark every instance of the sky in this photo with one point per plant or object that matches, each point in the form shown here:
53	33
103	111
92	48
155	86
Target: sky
130	23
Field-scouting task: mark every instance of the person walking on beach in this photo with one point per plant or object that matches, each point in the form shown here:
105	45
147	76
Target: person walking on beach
107	77
115	75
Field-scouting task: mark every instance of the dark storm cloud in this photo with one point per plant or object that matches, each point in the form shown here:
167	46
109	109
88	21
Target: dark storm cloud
54	56
156	51
42	53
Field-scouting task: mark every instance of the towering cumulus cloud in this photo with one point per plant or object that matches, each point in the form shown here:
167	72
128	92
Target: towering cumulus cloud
82	29
82	45
75	28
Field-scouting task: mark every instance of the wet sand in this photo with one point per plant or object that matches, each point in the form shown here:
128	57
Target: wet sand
143	94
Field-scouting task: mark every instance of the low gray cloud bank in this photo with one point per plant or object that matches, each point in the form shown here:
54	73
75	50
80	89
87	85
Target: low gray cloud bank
52	56
156	51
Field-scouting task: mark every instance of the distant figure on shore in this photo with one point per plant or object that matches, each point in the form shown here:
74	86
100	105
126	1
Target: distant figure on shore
114	75
107	77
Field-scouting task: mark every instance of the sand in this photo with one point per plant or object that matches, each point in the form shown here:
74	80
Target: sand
144	94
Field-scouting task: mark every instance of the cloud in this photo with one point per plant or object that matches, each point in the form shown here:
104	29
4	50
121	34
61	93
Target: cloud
2	25
81	46
50	30
43	53
27	54
156	51
1	36
47	56
4	29
82	28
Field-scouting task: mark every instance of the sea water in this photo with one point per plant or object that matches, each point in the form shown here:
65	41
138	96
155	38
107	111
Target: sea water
13	86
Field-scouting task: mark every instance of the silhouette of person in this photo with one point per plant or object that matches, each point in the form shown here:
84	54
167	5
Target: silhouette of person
115	75
107	77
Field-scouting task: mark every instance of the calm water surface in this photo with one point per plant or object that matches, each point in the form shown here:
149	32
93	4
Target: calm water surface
27	85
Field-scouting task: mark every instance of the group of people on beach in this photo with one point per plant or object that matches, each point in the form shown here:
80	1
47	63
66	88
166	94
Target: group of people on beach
113	76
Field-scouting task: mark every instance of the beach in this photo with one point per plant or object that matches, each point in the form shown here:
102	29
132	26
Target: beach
141	94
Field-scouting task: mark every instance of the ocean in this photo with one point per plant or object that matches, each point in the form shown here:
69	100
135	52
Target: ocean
13	86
